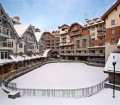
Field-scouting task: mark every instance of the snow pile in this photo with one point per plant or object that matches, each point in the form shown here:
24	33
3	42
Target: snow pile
45	54
62	76
113	57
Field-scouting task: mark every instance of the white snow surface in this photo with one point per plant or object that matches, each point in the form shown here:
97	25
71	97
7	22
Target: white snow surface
21	28
38	36
45	54
109	65
104	97
118	42
62	76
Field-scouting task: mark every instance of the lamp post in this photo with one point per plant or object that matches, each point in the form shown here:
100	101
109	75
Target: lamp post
24	59
114	63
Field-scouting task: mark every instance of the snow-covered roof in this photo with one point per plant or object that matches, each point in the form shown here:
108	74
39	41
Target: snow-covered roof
109	65
45	54
21	28
38	35
118	42
21	58
5	61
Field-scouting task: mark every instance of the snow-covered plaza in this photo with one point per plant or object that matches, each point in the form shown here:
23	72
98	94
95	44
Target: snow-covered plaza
62	75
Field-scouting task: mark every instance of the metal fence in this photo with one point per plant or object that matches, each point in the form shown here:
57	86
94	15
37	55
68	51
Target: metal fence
73	93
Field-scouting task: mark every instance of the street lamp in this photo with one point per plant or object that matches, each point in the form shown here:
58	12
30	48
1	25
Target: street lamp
114	63
24	59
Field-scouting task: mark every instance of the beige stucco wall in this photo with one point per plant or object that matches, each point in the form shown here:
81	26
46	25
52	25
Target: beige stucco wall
113	15
109	49
93	31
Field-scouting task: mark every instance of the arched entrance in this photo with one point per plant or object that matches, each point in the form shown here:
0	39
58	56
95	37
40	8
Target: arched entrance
55	54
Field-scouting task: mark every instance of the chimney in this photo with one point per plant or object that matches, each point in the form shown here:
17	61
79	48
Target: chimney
37	30
17	18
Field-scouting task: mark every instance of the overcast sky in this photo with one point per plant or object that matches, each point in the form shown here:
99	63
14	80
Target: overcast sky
49	14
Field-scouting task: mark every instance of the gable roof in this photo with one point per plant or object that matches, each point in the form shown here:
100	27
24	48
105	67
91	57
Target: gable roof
47	33
38	36
63	26
109	65
110	9
9	21
75	23
21	28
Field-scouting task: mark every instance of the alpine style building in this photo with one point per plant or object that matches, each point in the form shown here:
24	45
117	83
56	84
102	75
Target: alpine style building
91	42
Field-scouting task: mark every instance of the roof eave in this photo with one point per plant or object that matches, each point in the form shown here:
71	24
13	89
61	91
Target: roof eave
110	10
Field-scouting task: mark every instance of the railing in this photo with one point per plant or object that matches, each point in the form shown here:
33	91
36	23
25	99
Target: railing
101	29
100	34
71	93
75	33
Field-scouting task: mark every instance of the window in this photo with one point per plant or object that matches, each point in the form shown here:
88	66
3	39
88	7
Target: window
92	28
84	40
4	55
101	51
100	44
77	42
112	22
112	40
63	29
20	45
113	31
92	34
10	44
93	51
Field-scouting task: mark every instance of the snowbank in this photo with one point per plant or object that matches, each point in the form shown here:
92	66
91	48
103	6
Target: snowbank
109	65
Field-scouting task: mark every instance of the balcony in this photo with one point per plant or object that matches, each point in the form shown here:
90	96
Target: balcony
75	33
101	34
101	29
4	32
30	41
84	45
94	54
63	37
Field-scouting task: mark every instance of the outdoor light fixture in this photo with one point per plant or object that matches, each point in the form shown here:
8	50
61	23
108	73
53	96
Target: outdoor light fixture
114	63
24	58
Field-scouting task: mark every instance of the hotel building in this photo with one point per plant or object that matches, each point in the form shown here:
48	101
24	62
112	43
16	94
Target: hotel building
97	34
112	24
